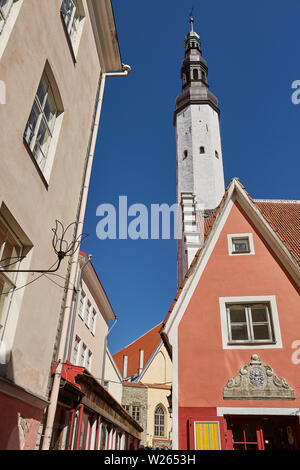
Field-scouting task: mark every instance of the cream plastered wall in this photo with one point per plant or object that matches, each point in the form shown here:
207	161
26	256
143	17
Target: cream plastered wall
158	397
38	36
114	381
158	372
160	369
94	342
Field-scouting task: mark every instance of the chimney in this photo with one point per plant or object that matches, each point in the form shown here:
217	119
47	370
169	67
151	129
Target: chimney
141	361
125	361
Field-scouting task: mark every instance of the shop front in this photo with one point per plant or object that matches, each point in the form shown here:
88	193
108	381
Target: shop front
89	418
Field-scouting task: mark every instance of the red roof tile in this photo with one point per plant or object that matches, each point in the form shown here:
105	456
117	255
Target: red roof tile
148	343
284	218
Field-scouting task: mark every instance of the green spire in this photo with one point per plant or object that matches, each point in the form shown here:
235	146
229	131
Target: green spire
192	39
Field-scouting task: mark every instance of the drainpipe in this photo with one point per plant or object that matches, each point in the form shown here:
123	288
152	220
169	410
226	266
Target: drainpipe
104	352
68	349
72	277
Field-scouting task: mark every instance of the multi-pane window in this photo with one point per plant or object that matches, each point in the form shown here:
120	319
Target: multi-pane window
5	8
136	412
93	321
76	350
249	323
81	304
127	408
159	422
83	355
87	313
39	128
89	360
10	254
72	13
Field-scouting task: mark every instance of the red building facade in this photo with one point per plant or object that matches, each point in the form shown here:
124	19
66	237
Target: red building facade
233	330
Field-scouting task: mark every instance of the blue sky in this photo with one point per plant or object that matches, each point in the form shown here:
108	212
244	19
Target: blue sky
252	52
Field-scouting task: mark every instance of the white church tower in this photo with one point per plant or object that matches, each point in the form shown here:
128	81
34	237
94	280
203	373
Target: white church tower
200	176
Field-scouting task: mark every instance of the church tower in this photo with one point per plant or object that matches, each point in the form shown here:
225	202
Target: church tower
200	176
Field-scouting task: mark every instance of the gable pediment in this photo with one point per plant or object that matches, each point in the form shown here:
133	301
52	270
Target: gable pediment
257	381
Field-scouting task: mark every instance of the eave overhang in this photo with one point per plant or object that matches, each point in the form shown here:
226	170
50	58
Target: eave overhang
105	33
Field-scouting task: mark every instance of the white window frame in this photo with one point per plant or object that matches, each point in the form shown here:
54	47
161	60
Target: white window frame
5	12
160	426
87	313
248	236
32	128
83	347
136	412
10	16
89	360
8	279
78	349
74	27
82	302
271	300
93	321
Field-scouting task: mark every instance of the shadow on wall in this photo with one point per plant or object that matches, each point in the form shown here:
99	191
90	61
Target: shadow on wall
19	421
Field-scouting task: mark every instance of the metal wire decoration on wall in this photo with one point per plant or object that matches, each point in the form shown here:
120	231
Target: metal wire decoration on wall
61	246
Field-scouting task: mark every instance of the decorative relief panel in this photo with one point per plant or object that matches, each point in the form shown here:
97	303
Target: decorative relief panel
257	381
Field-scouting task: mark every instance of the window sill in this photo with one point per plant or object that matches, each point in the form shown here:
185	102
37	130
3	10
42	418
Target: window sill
251	343
29	151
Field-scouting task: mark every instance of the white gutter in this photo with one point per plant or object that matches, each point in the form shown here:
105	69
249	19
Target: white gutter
104	352
72	278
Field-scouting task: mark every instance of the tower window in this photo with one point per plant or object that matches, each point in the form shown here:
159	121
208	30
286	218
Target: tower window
202	149
185	154
195	74
216	154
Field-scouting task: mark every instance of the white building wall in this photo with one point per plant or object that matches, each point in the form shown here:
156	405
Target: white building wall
200	176
200	173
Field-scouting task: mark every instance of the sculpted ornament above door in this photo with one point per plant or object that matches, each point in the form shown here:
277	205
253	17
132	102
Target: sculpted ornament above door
257	381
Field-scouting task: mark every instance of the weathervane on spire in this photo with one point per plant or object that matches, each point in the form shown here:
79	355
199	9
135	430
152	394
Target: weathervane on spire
192	19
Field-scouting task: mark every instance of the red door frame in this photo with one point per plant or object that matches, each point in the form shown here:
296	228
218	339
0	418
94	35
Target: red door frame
241	420
257	419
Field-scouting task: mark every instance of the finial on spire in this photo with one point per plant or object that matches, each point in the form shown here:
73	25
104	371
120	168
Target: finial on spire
192	20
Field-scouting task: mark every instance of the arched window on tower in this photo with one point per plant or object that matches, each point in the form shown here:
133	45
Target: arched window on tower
202	149
216	154
195	74
159	422
185	154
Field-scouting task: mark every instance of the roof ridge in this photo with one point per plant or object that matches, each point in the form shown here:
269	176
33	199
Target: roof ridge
132	342
279	201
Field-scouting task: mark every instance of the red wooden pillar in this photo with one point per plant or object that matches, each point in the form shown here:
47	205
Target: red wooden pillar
98	433
81	407
71	428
